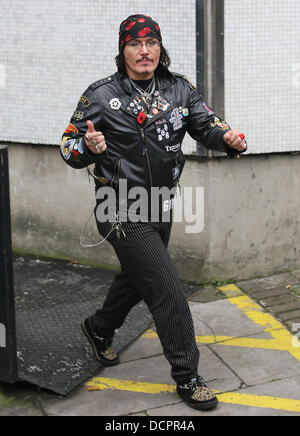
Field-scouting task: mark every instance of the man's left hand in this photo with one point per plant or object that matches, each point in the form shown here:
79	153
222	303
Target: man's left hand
234	139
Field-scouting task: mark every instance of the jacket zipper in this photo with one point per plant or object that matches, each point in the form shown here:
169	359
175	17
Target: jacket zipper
145	150
145	153
116	176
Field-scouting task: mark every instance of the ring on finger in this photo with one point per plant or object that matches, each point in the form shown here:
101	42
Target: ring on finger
93	142
97	148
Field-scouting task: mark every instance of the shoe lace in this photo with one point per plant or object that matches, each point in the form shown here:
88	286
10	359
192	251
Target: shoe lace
105	341
196	381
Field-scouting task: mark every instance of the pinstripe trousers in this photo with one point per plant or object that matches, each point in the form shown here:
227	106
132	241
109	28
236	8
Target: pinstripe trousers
148	273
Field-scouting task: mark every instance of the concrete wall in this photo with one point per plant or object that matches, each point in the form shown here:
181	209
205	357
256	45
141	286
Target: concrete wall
250	212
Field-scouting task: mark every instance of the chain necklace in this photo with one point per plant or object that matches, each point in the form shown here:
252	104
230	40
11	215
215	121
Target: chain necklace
147	93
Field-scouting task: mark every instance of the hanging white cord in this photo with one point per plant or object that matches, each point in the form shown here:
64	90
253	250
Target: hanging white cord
113	225
83	232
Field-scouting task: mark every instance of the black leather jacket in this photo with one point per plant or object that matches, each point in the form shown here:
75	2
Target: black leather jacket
143	144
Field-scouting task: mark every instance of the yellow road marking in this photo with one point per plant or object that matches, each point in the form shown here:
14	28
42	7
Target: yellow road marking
101	383
262	401
281	340
255	313
231	290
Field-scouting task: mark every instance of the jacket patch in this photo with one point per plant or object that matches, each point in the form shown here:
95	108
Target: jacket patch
219	123
71	129
78	115
162	129
173	148
176	119
84	101
208	109
70	148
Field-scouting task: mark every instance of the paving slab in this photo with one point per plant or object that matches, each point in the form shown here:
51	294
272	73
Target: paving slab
291	315
285	307
221	318
157	370
206	294
274	394
111	402
19	400
271	293
281	299
288	387
182	409
296	273
255	366
277	280
141	348
241	373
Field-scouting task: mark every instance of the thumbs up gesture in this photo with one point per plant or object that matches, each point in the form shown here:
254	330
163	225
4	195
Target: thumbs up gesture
94	140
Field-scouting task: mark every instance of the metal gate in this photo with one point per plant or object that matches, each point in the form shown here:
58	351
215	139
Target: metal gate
8	349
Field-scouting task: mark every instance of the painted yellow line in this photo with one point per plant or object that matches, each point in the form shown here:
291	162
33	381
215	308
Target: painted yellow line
281	337
255	313
282	340
231	290
261	401
150	334
101	383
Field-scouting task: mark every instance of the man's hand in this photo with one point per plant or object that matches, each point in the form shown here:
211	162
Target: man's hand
235	140
95	141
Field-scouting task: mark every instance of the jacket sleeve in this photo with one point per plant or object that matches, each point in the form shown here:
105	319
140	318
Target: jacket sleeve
206	127
73	149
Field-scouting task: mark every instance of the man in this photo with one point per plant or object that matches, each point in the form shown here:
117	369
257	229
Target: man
131	126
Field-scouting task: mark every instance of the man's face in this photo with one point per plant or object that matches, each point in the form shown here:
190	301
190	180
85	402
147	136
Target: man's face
142	58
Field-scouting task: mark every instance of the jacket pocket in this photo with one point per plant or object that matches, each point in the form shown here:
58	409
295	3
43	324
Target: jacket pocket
107	172
173	166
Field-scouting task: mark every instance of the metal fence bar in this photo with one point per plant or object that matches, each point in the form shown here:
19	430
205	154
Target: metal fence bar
8	346
201	59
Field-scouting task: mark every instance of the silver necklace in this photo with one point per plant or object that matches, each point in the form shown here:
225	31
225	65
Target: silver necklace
147	93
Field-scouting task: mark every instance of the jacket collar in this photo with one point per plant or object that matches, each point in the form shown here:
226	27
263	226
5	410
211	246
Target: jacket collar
163	81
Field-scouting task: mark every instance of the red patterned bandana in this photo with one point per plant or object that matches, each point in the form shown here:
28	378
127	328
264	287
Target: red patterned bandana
138	26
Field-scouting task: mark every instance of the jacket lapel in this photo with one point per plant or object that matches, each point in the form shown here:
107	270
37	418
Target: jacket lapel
134	105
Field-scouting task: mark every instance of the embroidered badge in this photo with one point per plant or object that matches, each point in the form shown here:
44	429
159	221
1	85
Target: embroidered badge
71	129
218	123
115	104
176	119
78	115
208	109
173	148
175	172
84	101
162	129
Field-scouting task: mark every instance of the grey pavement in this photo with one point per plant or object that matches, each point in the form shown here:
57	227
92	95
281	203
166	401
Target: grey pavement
249	354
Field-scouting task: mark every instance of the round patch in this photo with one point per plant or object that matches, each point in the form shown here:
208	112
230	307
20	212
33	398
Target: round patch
115	104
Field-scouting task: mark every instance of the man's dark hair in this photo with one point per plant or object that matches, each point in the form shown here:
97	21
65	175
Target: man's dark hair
163	66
